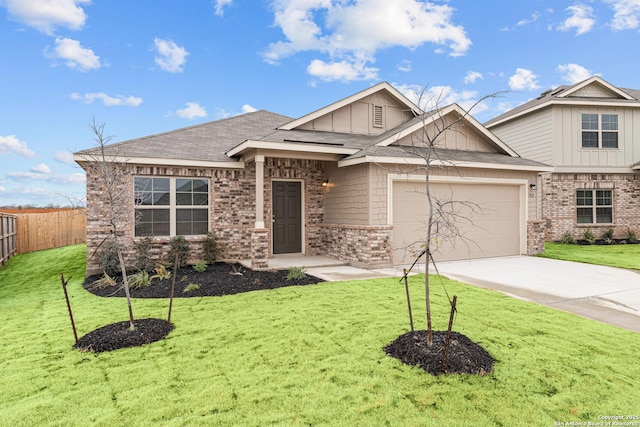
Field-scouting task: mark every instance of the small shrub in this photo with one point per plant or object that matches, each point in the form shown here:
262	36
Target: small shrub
200	266
212	248
179	247
108	258
190	288
104	282
296	273
139	279
143	254
161	273
631	237
567	238
589	236
607	236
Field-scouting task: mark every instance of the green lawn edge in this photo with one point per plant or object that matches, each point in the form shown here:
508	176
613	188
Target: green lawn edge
307	355
622	256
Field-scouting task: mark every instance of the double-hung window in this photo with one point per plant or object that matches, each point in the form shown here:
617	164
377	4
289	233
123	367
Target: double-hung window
171	206
599	130
595	206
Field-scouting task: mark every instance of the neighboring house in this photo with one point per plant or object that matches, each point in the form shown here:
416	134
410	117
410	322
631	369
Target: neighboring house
590	133
338	182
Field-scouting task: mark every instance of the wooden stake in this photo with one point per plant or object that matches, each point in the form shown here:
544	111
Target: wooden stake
66	297
406	286
448	339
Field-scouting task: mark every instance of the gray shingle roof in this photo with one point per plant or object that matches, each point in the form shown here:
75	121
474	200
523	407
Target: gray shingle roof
207	142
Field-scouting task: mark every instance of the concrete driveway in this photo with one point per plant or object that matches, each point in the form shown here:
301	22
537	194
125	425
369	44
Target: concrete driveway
607	294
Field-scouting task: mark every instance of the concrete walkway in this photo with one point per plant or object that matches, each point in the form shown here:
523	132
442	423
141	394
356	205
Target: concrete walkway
607	294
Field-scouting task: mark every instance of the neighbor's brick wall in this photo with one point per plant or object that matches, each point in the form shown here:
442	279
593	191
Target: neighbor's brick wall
559	203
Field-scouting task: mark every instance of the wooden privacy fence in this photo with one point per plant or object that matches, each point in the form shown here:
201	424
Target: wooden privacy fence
7	237
37	231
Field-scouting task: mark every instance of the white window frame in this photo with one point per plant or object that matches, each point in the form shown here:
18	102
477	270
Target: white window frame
600	131
172	206
594	206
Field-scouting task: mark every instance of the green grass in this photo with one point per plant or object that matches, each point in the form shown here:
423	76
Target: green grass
298	356
623	256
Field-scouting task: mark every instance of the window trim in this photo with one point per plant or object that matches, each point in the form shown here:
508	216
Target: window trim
594	206
599	131
172	206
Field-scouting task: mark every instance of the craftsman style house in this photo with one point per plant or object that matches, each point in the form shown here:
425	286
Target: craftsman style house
590	133
346	181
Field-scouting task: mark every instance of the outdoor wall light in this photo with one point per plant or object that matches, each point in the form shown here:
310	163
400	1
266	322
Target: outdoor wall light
325	182
533	186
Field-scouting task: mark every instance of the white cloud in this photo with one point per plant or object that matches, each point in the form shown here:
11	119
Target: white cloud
76	56
246	108
581	19
46	15
472	77
219	6
342	70
523	79
351	33
63	157
405	66
574	73
433	97
627	14
107	100
193	110
12	145
170	57
41	168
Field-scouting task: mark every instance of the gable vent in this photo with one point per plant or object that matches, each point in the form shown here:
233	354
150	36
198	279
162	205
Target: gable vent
377	116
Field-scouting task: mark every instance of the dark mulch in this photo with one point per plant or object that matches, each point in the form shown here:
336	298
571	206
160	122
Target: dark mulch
117	335
464	356
217	280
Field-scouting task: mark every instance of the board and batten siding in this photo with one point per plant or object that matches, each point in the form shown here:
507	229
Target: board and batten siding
568	151
531	137
357	117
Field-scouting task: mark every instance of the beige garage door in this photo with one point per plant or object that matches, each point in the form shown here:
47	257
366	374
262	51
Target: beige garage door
489	220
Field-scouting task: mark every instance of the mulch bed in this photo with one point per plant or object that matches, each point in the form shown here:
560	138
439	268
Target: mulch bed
464	356
117	335
217	280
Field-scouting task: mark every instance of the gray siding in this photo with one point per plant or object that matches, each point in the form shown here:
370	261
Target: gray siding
531	137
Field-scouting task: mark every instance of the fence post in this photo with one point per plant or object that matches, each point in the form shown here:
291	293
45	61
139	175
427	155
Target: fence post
7	237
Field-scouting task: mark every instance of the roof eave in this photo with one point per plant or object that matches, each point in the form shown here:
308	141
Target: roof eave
288	146
413	161
227	164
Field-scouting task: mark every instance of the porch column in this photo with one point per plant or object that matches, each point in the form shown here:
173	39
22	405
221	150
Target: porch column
259	192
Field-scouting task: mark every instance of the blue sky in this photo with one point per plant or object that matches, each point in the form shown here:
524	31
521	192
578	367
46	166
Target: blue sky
148	66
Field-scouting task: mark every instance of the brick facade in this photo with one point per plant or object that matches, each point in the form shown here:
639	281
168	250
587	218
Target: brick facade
361	246
535	236
559	203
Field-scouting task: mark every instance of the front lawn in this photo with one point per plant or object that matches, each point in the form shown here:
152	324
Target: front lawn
307	355
623	256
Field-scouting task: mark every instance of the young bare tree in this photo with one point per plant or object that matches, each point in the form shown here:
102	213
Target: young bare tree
446	217
110	175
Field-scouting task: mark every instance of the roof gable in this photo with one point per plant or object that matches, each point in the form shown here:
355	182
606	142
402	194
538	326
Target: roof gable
474	136
383	93
595	87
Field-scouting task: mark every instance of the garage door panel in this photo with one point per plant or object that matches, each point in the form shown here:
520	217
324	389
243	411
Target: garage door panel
489	224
